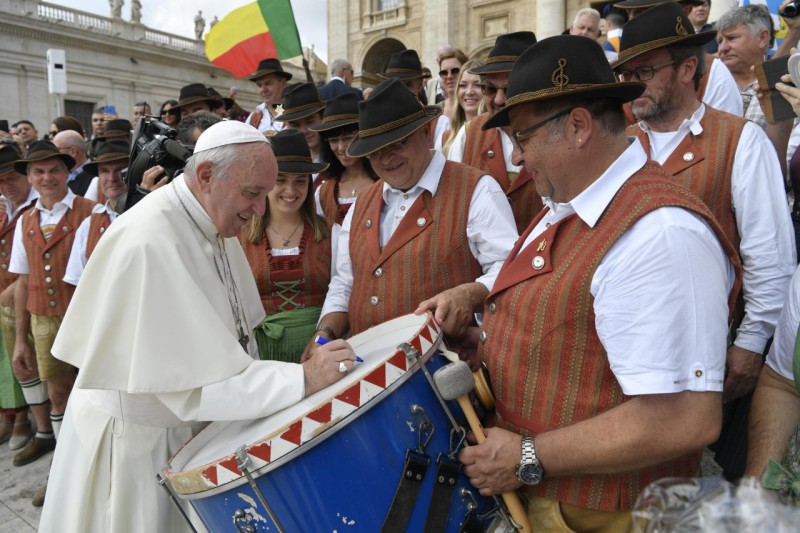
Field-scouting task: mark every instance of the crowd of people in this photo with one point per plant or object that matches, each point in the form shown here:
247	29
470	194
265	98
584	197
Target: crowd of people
607	224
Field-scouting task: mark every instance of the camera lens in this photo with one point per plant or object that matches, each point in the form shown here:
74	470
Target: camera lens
791	10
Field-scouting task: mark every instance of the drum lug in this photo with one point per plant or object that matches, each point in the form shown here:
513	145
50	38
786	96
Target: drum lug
242	522
425	428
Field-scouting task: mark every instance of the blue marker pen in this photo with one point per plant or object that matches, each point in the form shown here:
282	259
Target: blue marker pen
322	340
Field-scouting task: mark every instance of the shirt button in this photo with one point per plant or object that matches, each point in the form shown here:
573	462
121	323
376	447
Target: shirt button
48	279
52	303
402	208
698	373
47	255
405	197
482	336
378	272
538	262
47	268
374	300
492	307
368	224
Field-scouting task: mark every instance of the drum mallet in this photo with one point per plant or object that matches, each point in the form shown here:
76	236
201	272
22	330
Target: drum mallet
455	381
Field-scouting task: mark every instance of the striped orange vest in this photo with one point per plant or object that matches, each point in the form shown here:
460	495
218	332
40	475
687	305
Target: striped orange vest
548	366
484	151
98	225
427	254
311	270
332	209
6	242
48	293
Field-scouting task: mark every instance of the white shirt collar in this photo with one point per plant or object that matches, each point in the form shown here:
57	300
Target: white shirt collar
67	201
338	78
690	124
593	201
429	180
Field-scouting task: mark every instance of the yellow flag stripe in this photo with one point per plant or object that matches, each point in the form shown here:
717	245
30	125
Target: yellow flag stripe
239	25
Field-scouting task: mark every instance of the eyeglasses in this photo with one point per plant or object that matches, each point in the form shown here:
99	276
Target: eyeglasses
515	137
453	72
345	139
644	73
490	89
388	150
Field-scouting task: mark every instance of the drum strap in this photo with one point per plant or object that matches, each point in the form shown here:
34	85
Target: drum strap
444	484
406	494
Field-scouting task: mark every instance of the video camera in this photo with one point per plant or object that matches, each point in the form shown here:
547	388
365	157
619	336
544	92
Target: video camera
153	144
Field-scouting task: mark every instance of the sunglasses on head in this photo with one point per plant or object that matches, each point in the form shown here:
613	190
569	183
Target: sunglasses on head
453	71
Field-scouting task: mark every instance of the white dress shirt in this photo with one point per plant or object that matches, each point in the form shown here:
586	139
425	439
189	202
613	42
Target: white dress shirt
491	230
767	248
456	152
781	354
12	213
722	92
19	257
660	293
267	122
77	256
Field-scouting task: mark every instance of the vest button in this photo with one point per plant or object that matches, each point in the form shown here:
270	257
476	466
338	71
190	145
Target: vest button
492	307
51	303
378	272
482	336
3	254
688	156
3	241
490	154
48	279
47	268
30	233
538	262
368	224
102	230
4	266
421	221
374	300
51	291
47	255
65	229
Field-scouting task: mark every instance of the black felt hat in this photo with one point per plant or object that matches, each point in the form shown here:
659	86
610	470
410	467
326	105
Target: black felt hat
391	113
404	65
562	66
507	48
9	154
339	112
661	26
300	101
293	154
644	4
39	151
196	92
269	66
119	127
108	152
227	102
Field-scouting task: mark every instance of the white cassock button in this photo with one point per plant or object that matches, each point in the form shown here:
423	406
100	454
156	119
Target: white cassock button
538	262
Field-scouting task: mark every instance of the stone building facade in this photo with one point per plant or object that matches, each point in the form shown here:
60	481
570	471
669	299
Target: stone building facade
109	61
367	32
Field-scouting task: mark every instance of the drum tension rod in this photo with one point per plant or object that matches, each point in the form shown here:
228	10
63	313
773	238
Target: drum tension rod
162	482
411	354
243	463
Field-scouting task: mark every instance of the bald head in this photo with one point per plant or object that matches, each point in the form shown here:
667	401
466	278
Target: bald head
72	143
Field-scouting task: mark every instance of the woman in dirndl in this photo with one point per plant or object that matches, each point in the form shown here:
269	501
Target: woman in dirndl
289	251
347	176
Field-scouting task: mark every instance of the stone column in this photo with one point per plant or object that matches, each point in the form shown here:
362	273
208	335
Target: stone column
550	18
437	29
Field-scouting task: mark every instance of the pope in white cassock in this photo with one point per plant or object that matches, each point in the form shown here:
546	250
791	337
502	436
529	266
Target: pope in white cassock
159	328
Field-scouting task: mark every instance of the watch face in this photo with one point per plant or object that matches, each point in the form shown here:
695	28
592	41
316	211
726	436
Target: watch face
531	473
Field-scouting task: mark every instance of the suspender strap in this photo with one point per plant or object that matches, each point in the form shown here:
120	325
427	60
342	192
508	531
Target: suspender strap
444	485
405	496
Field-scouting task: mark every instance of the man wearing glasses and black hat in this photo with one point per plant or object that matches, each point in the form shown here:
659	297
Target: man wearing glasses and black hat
729	163
606	329
429	230
490	150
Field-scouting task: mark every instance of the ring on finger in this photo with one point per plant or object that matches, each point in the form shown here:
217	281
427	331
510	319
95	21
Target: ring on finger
342	367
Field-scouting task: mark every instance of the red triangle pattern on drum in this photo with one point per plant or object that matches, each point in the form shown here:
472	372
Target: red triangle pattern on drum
323	414
377	377
263	451
230	464
351	395
399	360
416	343
293	433
210	474
426	333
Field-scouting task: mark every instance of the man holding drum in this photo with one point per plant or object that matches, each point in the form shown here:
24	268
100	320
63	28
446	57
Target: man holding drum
605	333
430	230
160	329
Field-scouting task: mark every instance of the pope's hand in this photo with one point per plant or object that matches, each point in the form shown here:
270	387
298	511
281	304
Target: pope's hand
327	364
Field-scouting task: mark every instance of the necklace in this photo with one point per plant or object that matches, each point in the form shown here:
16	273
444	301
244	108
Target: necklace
286	240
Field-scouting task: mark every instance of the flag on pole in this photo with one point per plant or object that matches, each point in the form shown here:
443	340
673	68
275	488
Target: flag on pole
247	35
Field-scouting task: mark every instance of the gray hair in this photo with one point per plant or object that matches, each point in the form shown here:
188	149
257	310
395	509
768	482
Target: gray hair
338	66
755	16
595	14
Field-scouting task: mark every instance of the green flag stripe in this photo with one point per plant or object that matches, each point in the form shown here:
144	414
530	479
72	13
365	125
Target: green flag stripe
282	27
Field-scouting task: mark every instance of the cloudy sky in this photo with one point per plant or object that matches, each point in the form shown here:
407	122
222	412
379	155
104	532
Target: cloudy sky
177	16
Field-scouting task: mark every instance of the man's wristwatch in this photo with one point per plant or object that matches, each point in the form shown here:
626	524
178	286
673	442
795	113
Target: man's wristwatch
529	470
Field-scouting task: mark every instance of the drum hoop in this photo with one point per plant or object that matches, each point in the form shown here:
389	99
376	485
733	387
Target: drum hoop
223	474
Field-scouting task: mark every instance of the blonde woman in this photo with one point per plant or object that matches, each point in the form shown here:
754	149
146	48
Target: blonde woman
467	104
